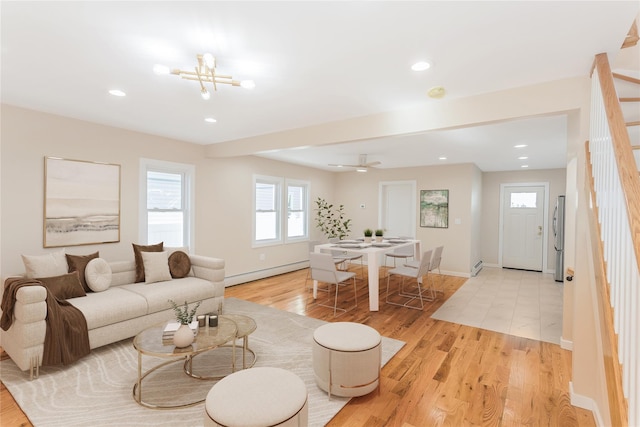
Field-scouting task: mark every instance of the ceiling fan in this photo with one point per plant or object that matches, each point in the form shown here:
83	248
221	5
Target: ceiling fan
362	165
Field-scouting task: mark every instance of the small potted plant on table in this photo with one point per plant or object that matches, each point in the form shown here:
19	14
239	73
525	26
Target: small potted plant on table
183	337
379	234
367	235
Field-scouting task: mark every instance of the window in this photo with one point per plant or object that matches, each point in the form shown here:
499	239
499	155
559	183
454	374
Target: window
267	210
524	200
167	214
297	211
273	198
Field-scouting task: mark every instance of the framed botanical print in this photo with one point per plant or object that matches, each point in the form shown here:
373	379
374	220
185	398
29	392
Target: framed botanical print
81	202
434	208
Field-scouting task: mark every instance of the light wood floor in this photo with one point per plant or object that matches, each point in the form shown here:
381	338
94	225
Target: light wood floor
447	374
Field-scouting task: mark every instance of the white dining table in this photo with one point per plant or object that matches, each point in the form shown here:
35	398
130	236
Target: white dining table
371	252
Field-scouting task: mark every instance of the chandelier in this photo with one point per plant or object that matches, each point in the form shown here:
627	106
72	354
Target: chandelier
205	72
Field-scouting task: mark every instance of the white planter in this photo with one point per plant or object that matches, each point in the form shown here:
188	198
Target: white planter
183	337
378	239
367	239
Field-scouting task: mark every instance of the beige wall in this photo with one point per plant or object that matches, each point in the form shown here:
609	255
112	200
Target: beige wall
223	189
352	189
491	207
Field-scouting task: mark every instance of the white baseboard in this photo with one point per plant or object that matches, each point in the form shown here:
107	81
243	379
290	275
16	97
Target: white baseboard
566	344
274	271
262	274
587	403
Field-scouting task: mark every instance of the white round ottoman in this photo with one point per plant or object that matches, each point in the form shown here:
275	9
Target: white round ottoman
258	397
347	358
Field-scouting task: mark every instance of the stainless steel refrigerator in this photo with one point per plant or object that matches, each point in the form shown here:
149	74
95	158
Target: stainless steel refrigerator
558	233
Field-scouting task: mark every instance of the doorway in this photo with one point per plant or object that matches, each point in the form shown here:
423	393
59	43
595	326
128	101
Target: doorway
397	209
523	230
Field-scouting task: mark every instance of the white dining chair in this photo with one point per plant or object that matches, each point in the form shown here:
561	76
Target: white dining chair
323	270
435	265
343	258
414	273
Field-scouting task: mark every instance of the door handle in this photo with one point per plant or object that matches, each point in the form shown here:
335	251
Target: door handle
539	230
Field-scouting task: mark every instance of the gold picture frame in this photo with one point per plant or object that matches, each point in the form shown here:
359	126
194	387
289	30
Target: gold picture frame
81	202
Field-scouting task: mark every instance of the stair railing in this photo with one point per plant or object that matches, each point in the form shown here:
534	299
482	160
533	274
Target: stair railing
616	194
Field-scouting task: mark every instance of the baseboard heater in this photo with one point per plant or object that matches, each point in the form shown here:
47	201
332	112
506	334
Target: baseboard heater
262	274
476	269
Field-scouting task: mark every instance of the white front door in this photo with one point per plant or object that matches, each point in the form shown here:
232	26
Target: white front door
523	227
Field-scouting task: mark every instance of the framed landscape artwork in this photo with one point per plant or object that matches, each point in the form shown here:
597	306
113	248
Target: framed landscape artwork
434	208
81	202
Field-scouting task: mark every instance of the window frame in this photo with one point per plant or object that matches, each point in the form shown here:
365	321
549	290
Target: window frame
305	209
188	173
279	183
281	209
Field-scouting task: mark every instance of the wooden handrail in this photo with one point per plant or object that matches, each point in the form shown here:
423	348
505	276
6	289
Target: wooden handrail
627	168
618	407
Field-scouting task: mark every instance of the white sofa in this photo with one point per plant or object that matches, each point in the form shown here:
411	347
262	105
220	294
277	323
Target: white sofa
121	311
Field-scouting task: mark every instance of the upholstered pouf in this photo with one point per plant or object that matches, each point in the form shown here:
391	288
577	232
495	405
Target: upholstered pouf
347	358
258	397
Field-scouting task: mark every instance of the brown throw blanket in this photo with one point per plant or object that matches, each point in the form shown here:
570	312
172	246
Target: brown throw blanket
67	337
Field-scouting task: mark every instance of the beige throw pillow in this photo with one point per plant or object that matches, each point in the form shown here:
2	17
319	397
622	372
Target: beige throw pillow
98	275
156	267
49	265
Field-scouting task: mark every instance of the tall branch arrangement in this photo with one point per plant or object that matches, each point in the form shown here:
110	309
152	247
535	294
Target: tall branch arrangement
331	220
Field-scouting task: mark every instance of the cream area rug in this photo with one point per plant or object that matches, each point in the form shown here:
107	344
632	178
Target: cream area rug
97	390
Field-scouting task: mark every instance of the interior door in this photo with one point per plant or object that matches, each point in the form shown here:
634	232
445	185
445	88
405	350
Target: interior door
523	227
398	208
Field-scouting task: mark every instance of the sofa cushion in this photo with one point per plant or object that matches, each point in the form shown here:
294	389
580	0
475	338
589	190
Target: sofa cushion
156	267
98	275
138	258
79	263
49	265
158	294
64	286
110	306
179	264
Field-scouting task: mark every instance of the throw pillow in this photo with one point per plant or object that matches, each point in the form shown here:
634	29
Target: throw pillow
98	275
64	286
179	264
156	267
49	265
79	263
138	258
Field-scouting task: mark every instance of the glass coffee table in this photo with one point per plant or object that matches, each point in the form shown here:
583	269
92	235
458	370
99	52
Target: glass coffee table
150	343
245	326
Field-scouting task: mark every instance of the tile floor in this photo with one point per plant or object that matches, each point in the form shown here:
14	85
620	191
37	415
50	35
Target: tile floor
515	302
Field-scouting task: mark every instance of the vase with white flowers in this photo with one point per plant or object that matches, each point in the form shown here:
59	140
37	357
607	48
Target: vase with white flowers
183	337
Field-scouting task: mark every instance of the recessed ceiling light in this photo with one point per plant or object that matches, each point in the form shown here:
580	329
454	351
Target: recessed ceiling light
436	92
160	69
421	65
523	158
442	158
117	92
524	166
210	120
520	146
361	170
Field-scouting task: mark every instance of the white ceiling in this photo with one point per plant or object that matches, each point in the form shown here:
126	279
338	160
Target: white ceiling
312	62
